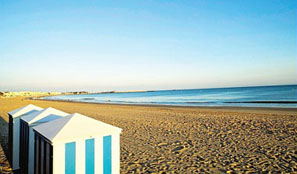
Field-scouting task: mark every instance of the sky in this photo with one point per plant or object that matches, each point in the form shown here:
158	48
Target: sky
144	45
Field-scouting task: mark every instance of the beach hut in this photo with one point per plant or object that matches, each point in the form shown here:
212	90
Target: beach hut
27	135
77	144
14	132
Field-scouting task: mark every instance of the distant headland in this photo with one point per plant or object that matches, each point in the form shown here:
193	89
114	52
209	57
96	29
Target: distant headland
9	94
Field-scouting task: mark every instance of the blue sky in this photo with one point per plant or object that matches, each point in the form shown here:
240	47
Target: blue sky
136	45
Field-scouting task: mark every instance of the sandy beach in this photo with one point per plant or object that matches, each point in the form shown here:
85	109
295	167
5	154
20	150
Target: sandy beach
163	139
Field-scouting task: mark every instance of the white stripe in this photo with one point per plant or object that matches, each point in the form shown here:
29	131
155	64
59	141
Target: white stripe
80	157
98	155
59	158
115	153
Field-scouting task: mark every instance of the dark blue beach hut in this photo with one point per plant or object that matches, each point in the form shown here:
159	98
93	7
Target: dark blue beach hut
27	135
14	132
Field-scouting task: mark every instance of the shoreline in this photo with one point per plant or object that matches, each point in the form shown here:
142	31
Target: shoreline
279	110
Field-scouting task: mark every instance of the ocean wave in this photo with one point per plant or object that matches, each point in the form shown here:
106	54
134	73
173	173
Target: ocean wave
267	102
87	99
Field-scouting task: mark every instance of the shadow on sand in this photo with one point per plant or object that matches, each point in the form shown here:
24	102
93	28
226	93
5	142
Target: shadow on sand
4	142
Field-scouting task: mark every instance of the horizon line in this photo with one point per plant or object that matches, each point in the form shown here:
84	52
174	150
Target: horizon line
152	90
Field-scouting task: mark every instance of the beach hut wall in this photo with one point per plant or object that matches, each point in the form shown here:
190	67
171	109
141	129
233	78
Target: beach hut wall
43	155
77	144
14	132
27	135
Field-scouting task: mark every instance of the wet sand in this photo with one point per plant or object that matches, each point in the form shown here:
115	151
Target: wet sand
161	139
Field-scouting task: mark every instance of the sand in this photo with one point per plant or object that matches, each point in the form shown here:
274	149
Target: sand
159	139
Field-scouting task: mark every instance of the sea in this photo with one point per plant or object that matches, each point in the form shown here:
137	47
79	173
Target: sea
284	96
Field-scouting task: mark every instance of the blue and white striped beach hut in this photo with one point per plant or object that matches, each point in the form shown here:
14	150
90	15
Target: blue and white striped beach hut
77	144
27	135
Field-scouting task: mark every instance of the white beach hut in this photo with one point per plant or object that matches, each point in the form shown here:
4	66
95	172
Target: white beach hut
14	132
27	135
77	144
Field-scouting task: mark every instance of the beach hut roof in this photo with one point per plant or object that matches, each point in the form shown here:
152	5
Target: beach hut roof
74	126
44	115
26	110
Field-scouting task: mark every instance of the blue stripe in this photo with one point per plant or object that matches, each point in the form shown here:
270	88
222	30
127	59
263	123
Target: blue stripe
90	159
107	154
70	158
